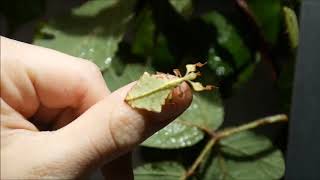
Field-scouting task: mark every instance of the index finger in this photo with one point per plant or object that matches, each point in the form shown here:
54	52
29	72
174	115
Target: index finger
33	76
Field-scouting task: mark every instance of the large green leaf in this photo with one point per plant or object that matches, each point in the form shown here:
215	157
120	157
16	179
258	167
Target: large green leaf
267	14
173	136
206	110
119	74
285	85
228	38
162	58
218	65
247	72
149	44
245	156
93	7
143	42
245	144
159	171
184	7
91	31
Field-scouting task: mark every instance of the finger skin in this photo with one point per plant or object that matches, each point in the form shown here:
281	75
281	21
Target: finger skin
109	130
59	88
47	81
42	83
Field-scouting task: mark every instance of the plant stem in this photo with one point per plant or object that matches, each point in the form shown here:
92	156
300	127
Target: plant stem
228	132
253	124
200	158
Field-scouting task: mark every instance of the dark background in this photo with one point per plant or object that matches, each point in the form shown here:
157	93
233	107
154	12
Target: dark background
303	158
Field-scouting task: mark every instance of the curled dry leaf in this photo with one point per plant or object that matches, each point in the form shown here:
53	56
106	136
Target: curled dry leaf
152	91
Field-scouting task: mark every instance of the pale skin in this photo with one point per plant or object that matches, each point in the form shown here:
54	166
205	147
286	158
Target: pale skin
60	121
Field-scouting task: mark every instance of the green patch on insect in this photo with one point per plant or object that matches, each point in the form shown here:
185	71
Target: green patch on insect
152	90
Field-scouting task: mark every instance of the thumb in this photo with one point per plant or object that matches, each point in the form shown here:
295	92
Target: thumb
111	127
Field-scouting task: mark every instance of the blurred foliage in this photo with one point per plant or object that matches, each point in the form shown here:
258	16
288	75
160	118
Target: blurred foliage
18	12
267	15
126	38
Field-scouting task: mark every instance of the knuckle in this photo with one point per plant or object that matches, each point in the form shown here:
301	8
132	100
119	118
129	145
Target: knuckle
91	69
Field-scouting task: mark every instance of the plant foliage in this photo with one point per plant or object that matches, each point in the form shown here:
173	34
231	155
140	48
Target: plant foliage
127	38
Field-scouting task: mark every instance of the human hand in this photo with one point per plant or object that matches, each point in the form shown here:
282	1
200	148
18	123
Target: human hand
60	121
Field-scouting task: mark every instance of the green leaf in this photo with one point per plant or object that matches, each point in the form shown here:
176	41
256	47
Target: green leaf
245	75
120	74
145	28
148	44
285	85
206	110
184	7
174	136
218	65
245	143
245	156
162	58
267	14
93	7
91	31
292	26
229	38
165	170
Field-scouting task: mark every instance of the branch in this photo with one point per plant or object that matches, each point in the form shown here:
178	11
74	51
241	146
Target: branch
261	41
200	158
253	124
228	132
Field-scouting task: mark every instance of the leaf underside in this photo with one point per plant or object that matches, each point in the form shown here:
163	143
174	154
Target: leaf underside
92	31
165	170
244	156
206	110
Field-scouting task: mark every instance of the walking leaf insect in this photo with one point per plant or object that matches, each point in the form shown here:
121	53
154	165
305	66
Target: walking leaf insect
151	91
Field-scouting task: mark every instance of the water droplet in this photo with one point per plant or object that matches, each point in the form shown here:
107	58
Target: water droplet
158	141
82	54
108	60
188	143
220	71
195	133
217	58
183	143
173	140
226	35
195	106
